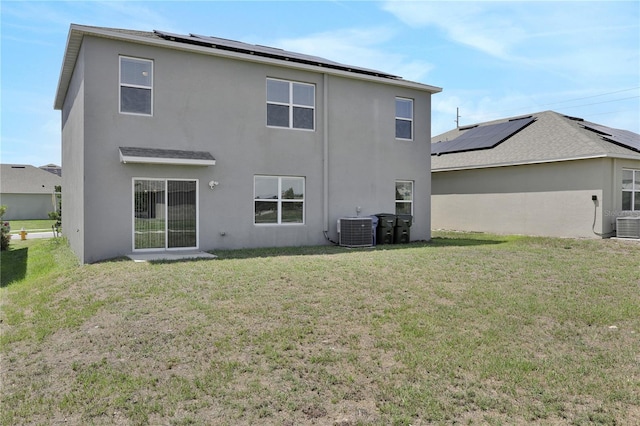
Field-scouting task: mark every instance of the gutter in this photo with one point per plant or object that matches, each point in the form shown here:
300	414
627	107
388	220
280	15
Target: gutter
531	162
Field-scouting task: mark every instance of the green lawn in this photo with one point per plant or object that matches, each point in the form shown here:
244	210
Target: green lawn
466	329
35	225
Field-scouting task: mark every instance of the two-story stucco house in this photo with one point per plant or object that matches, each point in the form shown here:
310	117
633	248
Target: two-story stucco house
183	142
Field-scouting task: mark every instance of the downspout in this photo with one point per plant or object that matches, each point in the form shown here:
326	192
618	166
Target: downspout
325	153
612	200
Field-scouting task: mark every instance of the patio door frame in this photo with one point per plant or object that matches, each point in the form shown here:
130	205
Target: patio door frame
165	214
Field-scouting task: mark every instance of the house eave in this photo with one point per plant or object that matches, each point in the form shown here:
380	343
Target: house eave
77	32
71	51
531	162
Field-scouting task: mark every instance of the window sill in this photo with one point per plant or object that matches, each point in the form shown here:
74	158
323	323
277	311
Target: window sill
278	224
290	128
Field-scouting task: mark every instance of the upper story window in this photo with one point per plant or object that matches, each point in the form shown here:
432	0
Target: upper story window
136	86
404	197
278	199
290	104
404	118
630	190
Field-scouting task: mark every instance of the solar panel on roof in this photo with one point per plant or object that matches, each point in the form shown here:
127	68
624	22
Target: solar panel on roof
270	52
620	137
256	48
240	46
180	37
482	137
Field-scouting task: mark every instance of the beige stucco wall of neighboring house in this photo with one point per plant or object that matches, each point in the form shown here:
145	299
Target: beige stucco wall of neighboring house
549	199
27	206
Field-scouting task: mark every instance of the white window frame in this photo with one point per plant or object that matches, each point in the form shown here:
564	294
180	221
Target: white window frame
635	182
410	202
279	201
291	105
165	213
121	85
408	119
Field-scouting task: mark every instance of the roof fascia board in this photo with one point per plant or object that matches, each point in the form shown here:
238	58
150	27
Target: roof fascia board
71	51
524	163
77	32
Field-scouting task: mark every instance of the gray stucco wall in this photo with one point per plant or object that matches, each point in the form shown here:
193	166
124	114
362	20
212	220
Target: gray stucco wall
73	138
218	105
365	159
551	199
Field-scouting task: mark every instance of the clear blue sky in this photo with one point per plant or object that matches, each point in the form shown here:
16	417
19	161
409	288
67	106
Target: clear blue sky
492	59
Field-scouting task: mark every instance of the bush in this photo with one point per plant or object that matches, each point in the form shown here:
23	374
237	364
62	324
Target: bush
57	215
5	237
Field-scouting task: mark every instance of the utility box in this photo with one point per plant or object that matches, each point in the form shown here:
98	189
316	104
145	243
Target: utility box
386	225
628	227
355	232
402	231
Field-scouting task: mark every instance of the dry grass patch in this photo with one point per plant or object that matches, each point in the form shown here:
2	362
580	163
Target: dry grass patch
473	329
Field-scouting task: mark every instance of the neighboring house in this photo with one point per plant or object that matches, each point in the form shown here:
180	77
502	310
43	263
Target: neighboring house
544	174
27	191
52	168
191	142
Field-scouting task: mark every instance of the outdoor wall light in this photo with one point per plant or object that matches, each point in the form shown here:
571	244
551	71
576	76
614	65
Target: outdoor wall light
213	184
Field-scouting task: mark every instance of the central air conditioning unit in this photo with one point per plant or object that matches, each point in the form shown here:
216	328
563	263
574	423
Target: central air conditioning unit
355	232
628	227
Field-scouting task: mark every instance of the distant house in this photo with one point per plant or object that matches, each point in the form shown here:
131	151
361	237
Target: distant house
27	191
183	142
544	174
52	168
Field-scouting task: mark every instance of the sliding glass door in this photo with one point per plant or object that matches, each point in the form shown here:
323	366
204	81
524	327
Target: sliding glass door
165	214
181	213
